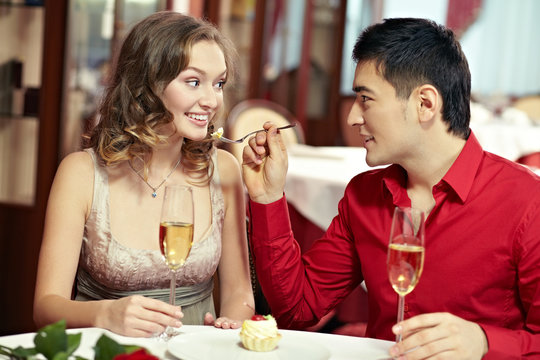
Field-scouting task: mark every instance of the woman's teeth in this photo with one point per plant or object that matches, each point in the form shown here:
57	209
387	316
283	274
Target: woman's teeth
198	117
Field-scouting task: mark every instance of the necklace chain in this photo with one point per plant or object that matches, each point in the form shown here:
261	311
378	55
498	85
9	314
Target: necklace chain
154	189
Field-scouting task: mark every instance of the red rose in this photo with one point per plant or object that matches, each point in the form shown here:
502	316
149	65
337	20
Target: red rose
140	354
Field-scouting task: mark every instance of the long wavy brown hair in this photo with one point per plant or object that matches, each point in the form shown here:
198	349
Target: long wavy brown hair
131	114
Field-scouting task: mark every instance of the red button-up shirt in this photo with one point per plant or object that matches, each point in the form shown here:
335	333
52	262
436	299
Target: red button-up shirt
482	253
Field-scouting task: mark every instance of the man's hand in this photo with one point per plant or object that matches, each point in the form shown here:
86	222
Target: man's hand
441	336
264	165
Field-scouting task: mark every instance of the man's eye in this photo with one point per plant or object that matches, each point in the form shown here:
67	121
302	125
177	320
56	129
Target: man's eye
364	98
193	83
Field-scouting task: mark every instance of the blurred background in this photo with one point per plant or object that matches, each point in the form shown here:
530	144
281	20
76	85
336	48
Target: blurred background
55	56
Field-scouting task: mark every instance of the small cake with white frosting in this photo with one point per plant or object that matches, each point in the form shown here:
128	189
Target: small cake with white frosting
260	333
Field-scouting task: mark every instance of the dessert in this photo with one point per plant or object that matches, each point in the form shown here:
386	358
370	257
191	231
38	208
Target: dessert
217	134
260	333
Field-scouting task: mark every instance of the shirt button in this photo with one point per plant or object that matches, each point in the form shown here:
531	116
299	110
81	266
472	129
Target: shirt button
406	308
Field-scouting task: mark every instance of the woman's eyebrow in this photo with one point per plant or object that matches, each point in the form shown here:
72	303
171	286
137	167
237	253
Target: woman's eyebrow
202	72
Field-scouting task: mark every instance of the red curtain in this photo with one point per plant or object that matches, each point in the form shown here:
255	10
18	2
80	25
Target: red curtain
461	14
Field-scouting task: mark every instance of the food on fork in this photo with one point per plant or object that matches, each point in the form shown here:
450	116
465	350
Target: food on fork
260	333
217	134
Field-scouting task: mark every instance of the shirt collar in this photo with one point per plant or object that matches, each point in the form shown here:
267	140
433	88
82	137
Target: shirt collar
459	177
461	174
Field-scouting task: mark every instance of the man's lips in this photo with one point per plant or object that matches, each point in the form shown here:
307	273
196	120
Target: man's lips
367	138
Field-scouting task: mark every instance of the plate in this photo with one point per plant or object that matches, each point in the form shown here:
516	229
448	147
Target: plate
226	344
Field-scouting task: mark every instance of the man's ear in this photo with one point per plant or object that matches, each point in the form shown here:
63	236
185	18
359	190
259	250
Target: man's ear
429	102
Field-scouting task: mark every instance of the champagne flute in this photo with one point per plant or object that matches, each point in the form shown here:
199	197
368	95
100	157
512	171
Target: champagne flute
405	253
175	235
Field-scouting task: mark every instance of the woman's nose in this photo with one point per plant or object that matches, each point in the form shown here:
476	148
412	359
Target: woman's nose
209	97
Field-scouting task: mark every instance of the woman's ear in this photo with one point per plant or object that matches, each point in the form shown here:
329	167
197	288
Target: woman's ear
429	102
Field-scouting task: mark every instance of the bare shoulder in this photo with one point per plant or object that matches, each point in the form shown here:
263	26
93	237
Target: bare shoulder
228	167
77	164
75	174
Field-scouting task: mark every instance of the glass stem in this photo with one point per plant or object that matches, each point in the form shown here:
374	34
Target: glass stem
401	306
172	296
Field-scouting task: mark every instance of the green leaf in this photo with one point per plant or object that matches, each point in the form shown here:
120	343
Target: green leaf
51	339
106	348
18	353
24	352
61	356
73	340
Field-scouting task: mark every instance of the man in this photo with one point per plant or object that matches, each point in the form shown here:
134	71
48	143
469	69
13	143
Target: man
479	293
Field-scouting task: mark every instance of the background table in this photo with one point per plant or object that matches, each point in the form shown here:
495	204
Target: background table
339	347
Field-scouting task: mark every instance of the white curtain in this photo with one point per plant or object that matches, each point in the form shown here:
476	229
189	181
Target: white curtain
503	48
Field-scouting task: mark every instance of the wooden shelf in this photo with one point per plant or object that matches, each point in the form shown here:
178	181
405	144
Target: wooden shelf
11	4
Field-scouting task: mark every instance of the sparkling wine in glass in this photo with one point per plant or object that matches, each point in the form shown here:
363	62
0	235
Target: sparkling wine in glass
175	235
405	253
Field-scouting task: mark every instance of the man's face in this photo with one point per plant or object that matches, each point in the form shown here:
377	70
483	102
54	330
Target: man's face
383	119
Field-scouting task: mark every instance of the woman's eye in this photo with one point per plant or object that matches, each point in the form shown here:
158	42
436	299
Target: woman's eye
193	83
220	84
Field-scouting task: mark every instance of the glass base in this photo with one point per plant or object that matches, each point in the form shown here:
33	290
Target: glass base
168	334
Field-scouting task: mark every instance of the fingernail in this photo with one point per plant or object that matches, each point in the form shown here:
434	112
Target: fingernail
394	351
218	323
178	314
396	329
177	324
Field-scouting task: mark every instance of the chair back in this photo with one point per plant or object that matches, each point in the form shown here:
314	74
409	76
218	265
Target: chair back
250	115
530	105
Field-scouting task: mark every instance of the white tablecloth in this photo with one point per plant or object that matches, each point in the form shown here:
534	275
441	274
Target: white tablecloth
510	141
317	177
334	346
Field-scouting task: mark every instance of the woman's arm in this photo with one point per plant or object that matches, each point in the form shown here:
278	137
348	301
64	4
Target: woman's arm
68	207
236	295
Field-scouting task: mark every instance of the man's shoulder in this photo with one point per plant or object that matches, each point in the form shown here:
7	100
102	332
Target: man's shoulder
503	167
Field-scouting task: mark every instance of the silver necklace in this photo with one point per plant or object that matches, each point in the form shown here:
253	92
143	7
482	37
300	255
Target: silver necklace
154	189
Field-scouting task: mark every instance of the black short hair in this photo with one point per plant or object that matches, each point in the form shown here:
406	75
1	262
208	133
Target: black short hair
410	52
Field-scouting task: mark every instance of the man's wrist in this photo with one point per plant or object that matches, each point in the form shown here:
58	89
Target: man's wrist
266	198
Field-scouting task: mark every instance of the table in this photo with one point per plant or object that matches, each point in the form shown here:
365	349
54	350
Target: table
317	177
510	141
334	347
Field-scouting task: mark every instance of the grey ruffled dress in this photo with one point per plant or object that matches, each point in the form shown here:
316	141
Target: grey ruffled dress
110	270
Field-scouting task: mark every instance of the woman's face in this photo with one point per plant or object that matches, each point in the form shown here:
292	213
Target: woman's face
196	94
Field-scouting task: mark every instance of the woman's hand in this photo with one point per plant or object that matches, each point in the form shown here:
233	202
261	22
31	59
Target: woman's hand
138	316
222	322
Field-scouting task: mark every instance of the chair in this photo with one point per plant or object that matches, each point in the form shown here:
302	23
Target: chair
529	105
250	115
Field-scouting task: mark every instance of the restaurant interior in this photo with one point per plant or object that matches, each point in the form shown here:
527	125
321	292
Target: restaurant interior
295	66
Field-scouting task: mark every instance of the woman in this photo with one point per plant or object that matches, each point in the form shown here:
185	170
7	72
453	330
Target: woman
102	221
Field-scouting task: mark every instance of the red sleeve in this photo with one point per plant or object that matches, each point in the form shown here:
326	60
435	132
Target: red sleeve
300	290
522	344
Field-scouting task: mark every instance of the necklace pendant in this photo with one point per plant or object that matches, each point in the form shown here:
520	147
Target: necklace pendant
154	194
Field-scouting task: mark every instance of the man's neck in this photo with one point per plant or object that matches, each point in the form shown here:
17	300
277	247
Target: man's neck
429	168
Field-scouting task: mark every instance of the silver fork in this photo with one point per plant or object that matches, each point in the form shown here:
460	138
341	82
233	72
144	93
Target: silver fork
238	141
